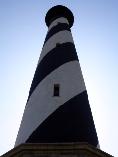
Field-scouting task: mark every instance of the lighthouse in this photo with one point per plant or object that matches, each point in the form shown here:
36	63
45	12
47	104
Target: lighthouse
57	108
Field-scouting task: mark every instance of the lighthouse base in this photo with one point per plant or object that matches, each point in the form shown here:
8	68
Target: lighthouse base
56	150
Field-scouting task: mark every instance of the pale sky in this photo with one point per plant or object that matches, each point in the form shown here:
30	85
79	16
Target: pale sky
95	33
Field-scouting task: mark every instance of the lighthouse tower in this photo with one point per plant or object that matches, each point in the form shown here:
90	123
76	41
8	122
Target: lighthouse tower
57	109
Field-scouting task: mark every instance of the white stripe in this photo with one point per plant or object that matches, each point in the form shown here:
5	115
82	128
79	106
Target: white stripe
60	37
98	146
58	20
42	102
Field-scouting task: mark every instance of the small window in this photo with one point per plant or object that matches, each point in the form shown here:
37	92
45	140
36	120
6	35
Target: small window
56	90
57	44
58	23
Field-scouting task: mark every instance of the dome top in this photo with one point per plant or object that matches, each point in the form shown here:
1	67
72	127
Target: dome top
59	11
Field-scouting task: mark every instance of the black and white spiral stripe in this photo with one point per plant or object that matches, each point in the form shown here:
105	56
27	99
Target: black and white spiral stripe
66	118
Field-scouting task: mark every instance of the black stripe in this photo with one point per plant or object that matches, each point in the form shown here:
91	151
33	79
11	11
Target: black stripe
56	57
59	27
72	122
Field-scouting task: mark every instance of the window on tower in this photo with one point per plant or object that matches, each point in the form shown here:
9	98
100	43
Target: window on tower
57	44
58	23
56	90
